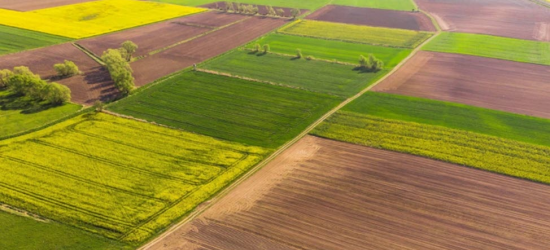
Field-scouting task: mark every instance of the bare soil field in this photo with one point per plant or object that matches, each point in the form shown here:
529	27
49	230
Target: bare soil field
197	50
484	82
323	194
374	17
27	5
261	8
93	84
157	36
509	18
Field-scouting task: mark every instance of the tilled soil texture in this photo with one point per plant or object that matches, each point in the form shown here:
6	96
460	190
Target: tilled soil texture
93	84
197	50
484	82
374	17
157	36
323	194
28	5
522	19
262	9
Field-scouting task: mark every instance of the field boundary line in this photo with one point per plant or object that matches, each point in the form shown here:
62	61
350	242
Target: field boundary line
434	21
222	193
89	53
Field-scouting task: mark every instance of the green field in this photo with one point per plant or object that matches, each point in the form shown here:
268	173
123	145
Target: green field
452	115
120	178
229	108
357	33
17	115
490	153
317	76
302	4
406	5
14	40
331	49
491	46
29	234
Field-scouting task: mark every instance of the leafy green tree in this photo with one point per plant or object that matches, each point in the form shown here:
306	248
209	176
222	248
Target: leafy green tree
266	48
281	12
270	11
128	49
66	69
299	54
22	80
295	13
120	70
5	75
257	47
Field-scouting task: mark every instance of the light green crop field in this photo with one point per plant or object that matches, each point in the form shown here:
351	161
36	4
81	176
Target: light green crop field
16	116
405	5
14	40
331	49
490	153
229	108
491	46
120	178
357	33
453	115
302	4
29	234
312	75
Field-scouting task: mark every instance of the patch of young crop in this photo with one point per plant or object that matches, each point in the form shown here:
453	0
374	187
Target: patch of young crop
490	153
15	40
357	33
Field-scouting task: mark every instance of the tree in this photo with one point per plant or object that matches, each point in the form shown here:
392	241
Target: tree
266	48
229	7
23	81
299	54
128	48
295	13
56	93
270	11
281	12
257	47
66	69
371	63
5	75
120	70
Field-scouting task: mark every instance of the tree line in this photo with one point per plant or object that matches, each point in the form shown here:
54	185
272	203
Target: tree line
22	81
117	62
235	7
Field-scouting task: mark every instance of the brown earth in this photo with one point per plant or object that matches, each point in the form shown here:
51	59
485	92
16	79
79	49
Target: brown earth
197	50
509	18
27	5
160	35
485	82
323	194
374	17
262	9
93	84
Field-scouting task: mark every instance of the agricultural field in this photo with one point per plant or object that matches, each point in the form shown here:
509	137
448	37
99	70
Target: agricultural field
311	75
323	194
28	5
404	5
228	108
453	115
49	235
522	19
330	49
93	18
477	81
309	4
356	33
491	46
15	40
119	178
374	17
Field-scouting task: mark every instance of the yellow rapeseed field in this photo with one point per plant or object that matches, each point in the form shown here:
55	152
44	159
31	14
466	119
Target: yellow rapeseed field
94	18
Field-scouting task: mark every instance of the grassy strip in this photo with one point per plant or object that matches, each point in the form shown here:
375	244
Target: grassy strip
330	49
491	46
378	36
14	40
404	5
490	153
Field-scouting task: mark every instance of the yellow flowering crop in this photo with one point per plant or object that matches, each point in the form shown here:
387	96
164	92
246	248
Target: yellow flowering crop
94	18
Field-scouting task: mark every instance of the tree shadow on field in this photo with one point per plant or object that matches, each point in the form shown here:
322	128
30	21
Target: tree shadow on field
10	101
364	70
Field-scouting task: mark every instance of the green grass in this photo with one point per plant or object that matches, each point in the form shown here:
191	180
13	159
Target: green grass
317	76
27	234
17	115
456	116
120	178
491	46
228	108
357	33
14	40
331	49
302	4
490	153
406	5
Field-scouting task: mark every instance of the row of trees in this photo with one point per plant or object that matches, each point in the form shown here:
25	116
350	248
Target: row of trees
117	63
22	81
254	10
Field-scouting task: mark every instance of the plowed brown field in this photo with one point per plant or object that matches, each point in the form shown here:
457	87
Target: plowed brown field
490	83
27	5
197	50
261	8
157	36
323	194
374	17
93	84
510	18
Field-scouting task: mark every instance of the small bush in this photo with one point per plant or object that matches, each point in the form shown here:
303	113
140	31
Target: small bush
266	48
66	69
309	58
281	12
257	47
295	13
299	54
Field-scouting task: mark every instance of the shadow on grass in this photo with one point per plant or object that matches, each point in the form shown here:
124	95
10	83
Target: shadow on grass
363	70
11	101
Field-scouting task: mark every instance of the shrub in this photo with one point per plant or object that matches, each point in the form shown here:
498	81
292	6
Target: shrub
66	69
128	48
120	70
309	58
281	12
266	48
371	63
270	11
56	93
299	54
257	47
5	75
295	13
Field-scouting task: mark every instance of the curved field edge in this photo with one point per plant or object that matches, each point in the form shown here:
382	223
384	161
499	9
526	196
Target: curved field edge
135	230
504	156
